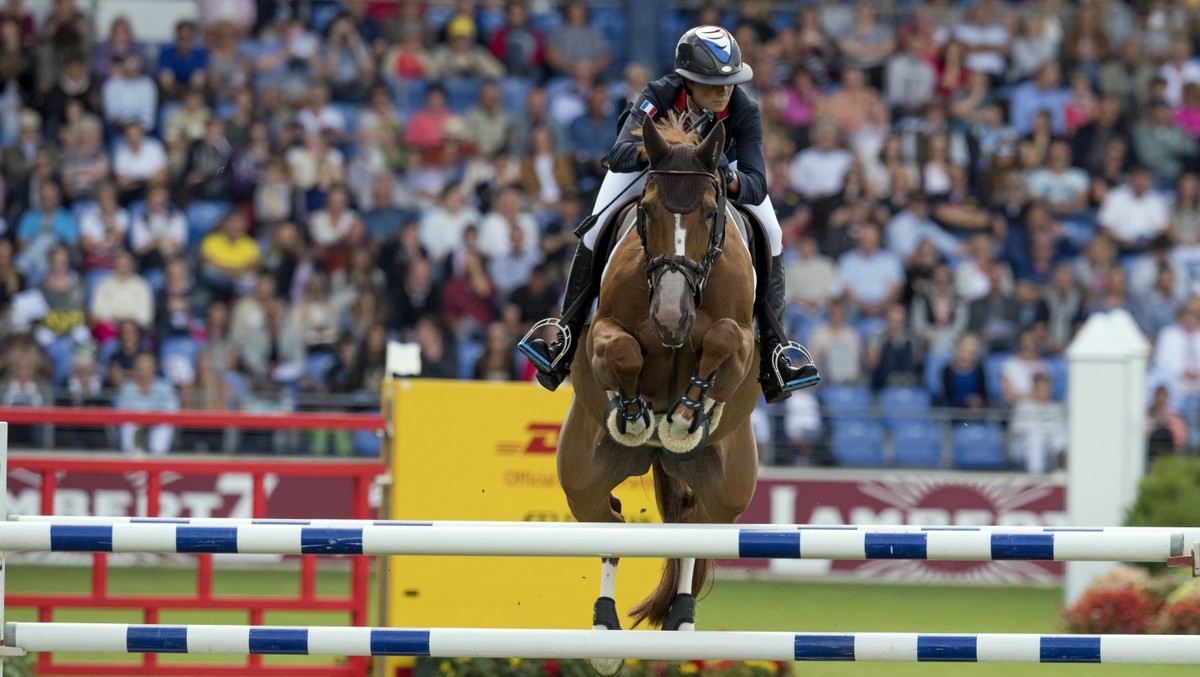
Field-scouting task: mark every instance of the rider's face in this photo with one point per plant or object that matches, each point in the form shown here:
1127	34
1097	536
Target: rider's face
713	97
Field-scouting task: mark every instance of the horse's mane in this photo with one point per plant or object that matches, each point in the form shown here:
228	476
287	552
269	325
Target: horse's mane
673	130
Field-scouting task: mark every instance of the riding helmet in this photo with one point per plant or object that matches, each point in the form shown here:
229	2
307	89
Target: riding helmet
711	56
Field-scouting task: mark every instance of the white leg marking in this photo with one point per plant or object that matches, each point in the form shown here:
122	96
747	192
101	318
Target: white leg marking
687	568
608	578
680	236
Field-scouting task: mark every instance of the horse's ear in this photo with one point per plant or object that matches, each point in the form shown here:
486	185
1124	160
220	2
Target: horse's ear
656	146
712	146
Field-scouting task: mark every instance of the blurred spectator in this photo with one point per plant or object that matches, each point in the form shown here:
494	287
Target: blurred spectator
316	319
179	304
25	385
536	114
103	228
591	135
123	295
894	356
1179	70
84	382
1160	144
251	153
1155	309
315	167
157	233
1034	48
469	299
1098	261
438	356
426	132
336	229
1038	431
462	56
837	347
911	226
383	217
17	159
911	79
74	84
1134	214
347	61
318	115
189	119
495	230
408	59
1090	141
108	54
1062	187
577	42
122	348
229	258
1127	75
1177	353
129	95
1187	115
1043	93
42	229
12	282
206	176
489	123
498	361
536	298
519	46
147	391
939	315
986	39
84	160
63	324
995	315
182	64
138	162
273	355
513	268
546	173
1166	431
964	381
1018	371
230	63
810	279
856	105
1061	309
14	12
867	44
818	172
18	70
273	199
1185	211
417	297
870	278
1143	268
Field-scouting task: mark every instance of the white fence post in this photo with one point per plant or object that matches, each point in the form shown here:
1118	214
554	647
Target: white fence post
1106	406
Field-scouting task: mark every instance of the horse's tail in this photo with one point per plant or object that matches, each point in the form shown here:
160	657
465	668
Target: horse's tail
676	503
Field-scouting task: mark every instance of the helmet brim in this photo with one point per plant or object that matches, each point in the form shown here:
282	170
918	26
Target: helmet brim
746	74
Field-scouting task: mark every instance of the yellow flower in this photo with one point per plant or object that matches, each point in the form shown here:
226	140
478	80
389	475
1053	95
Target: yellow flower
445	668
514	662
689	669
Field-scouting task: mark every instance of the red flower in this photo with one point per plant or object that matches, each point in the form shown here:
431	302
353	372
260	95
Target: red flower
1122	611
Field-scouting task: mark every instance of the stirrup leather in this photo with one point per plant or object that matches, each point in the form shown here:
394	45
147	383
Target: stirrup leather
778	352
563	330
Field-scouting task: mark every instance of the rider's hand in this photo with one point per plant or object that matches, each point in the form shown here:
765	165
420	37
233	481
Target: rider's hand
642	157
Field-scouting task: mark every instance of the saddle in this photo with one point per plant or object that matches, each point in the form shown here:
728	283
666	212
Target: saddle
619	224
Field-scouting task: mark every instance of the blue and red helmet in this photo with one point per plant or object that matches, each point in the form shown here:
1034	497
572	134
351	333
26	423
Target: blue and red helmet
711	56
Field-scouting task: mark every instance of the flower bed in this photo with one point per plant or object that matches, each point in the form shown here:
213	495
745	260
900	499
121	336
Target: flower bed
1129	601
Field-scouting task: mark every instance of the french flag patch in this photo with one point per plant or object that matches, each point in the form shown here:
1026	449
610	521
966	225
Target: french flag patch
648	108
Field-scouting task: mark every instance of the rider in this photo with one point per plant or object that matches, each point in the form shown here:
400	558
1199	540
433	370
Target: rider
708	68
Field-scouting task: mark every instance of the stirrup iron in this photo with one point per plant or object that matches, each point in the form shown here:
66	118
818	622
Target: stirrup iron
779	351
563	330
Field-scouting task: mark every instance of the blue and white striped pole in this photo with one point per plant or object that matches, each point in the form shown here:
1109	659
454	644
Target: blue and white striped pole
583	644
594	540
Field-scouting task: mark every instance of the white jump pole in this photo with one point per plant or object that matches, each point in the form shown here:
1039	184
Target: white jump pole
583	644
613	540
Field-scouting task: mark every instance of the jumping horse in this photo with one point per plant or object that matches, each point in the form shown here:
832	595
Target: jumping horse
667	379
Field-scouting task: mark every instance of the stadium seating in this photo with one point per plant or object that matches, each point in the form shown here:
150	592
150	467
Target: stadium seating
917	444
845	402
978	446
898	404
858	443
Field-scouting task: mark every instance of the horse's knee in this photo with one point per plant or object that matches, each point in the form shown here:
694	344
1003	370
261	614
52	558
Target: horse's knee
624	354
723	337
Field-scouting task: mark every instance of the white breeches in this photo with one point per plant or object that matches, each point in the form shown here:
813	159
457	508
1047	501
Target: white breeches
614	183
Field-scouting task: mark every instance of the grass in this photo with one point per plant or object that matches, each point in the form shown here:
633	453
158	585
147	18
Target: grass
731	605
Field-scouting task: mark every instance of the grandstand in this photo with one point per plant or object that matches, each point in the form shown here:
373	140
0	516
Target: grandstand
235	204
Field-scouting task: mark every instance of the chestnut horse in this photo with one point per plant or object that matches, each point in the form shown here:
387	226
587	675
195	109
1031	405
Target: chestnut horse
668	378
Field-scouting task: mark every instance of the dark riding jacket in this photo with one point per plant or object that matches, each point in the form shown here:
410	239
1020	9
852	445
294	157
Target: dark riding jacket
743	135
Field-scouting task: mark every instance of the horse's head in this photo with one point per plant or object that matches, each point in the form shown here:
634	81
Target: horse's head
681	221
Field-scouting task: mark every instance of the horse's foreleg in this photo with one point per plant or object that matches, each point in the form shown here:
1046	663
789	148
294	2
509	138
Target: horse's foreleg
685	429
617	362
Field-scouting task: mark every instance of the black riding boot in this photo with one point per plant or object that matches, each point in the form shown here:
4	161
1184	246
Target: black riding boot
777	375
553	360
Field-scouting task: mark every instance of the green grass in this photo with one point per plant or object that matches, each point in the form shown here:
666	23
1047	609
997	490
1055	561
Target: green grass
731	605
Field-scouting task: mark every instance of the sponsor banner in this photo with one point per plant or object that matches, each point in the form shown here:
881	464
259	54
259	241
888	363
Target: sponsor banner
486	451
932	499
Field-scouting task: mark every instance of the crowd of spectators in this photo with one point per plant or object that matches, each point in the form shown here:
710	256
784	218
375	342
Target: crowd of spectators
257	206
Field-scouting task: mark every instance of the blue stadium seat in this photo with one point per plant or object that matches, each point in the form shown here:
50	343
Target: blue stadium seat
322	15
934	364
514	91
1058	377
901	403
845	401
461	93
490	19
164	114
858	443
407	95
917	444
978	446
349	113
612	23
202	217
992	366
546	22
469	353
177	353
438	16
366	443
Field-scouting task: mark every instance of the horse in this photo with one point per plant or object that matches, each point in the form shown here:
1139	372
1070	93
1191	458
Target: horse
667	378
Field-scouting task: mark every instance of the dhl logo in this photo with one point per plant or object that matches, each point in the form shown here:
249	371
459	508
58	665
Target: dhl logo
540	438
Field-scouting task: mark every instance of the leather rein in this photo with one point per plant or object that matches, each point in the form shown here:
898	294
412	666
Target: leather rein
694	272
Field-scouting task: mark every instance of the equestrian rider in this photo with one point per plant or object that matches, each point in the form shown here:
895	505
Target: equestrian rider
708	68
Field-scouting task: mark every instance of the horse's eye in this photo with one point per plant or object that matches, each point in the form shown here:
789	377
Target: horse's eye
710	215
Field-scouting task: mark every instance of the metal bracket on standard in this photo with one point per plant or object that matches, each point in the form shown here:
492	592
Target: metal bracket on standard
1190	560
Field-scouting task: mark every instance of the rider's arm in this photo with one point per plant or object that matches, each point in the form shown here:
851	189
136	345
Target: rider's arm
751	181
627	154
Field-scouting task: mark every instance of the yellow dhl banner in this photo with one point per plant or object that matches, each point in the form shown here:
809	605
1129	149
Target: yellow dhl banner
484	451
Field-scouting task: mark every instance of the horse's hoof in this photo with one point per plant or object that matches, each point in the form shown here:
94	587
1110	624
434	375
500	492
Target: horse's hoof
633	433
604	617
686	446
682	615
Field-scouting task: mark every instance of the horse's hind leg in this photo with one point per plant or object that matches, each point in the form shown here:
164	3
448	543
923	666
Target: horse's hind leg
684	430
617	363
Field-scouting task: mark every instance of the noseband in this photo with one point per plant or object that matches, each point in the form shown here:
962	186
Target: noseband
694	272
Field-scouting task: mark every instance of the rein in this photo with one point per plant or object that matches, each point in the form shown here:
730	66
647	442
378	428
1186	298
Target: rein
694	272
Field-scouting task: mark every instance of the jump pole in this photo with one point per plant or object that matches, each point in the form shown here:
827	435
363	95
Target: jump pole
612	540
583	644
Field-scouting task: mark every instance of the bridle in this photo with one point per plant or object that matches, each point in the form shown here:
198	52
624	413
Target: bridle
694	272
